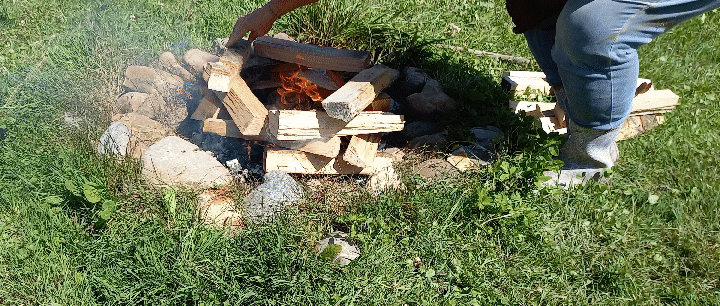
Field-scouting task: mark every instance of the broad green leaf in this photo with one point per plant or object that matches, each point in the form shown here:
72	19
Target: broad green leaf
430	273
105	214
70	186
109	205
653	198
91	192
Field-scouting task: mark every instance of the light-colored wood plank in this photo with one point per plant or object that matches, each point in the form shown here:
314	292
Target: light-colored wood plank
248	113
522	83
547	124
323	147
236	57
659	101
630	128
227	128
298	125
311	55
219	76
527	106
524	74
293	161
359	92
381	104
362	150
228	67
209	107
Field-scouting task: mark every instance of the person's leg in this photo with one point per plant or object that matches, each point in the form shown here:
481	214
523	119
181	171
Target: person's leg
596	53
541	40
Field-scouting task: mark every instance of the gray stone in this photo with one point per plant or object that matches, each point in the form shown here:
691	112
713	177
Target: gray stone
142	127
153	81
486	133
168	62
432	141
140	102
115	140
419	128
479	155
413	81
175	161
277	191
349	252
177	100
196	60
431	101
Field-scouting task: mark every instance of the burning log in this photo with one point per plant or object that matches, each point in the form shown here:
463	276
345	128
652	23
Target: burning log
308	81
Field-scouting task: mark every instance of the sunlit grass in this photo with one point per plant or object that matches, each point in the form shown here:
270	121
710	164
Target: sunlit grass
484	238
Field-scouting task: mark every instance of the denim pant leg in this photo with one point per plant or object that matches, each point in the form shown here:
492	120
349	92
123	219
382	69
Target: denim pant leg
541	40
596	52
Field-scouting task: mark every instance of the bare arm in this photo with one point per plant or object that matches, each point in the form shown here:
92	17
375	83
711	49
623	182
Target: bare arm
259	21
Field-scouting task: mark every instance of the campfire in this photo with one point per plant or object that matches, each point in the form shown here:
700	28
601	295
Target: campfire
317	110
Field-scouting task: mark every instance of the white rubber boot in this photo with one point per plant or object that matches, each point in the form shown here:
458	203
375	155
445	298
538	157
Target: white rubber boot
586	154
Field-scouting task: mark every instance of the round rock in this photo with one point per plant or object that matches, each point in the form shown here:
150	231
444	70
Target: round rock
349	250
115	139
278	190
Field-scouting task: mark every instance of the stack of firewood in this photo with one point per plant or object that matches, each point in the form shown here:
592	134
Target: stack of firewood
325	113
649	105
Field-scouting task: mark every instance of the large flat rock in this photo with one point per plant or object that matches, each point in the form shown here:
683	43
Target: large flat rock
175	161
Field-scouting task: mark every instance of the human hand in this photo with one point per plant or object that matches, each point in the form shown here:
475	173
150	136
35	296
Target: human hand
257	22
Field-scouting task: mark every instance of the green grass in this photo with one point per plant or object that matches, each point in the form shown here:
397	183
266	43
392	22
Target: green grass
483	239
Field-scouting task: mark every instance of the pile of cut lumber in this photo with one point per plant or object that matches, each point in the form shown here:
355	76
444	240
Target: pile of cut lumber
649	105
334	129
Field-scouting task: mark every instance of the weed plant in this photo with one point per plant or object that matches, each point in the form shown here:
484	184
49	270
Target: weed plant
77	228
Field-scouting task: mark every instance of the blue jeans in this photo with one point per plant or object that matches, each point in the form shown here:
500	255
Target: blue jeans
591	48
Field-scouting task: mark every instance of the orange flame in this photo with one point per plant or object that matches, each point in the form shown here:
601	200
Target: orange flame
299	92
